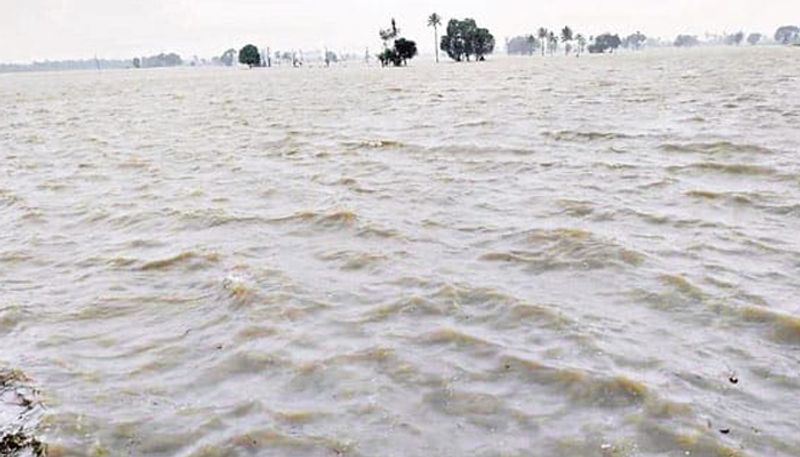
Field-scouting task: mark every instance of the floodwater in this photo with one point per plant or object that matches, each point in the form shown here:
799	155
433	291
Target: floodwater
525	257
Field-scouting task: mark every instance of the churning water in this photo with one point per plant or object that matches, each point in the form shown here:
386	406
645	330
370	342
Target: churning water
525	257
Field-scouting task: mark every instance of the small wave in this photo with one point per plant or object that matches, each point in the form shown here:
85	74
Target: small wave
189	260
565	249
578	136
352	261
784	328
457	337
371	231
476	123
8	198
718	147
465	404
333	219
682	285
10	317
581	385
213	218
576	208
727	168
375	144
275	442
240	290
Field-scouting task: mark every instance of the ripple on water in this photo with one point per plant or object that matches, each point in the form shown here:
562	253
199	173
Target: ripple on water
354	260
726	168
564	249
717	147
781	327
187	260
582	136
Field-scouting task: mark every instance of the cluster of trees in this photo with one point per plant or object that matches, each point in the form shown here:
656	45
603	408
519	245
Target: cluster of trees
634	41
754	38
464	40
788	34
161	60
686	41
548	42
605	43
397	51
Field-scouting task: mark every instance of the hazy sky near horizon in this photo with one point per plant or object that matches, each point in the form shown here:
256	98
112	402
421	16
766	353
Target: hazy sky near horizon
61	29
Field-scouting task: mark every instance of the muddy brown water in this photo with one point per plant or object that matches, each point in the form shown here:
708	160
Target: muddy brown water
526	257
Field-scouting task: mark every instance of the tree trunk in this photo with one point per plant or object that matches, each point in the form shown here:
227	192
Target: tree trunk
436	42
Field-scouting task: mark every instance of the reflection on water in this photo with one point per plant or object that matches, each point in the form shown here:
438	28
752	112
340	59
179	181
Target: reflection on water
552	257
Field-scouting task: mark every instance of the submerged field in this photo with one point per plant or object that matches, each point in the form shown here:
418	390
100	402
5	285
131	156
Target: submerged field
532	256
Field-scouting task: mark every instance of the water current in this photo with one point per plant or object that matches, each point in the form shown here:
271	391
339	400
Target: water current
523	257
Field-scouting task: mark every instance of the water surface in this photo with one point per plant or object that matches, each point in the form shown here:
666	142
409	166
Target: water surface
544	256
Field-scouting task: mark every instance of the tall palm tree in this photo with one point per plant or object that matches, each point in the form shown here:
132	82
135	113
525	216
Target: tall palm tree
542	34
435	21
566	38
581	43
553	42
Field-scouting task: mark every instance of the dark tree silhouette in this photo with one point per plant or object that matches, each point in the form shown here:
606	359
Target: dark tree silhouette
250	56
401	49
605	42
465	39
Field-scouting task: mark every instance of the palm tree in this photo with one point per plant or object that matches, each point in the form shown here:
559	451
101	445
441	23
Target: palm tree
542	34
553	42
566	37
581	43
435	21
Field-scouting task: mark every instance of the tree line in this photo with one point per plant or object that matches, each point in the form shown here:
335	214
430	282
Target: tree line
465	41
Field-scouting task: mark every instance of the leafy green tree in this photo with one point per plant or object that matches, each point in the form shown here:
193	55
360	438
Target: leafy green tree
634	41
465	39
542	34
227	57
162	60
250	56
605	42
434	20
735	39
401	50
405	49
522	45
686	41
754	38
787	34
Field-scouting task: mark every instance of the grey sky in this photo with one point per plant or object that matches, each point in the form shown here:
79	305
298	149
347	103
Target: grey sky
57	29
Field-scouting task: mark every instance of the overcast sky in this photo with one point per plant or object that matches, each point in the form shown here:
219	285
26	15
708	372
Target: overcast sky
60	29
